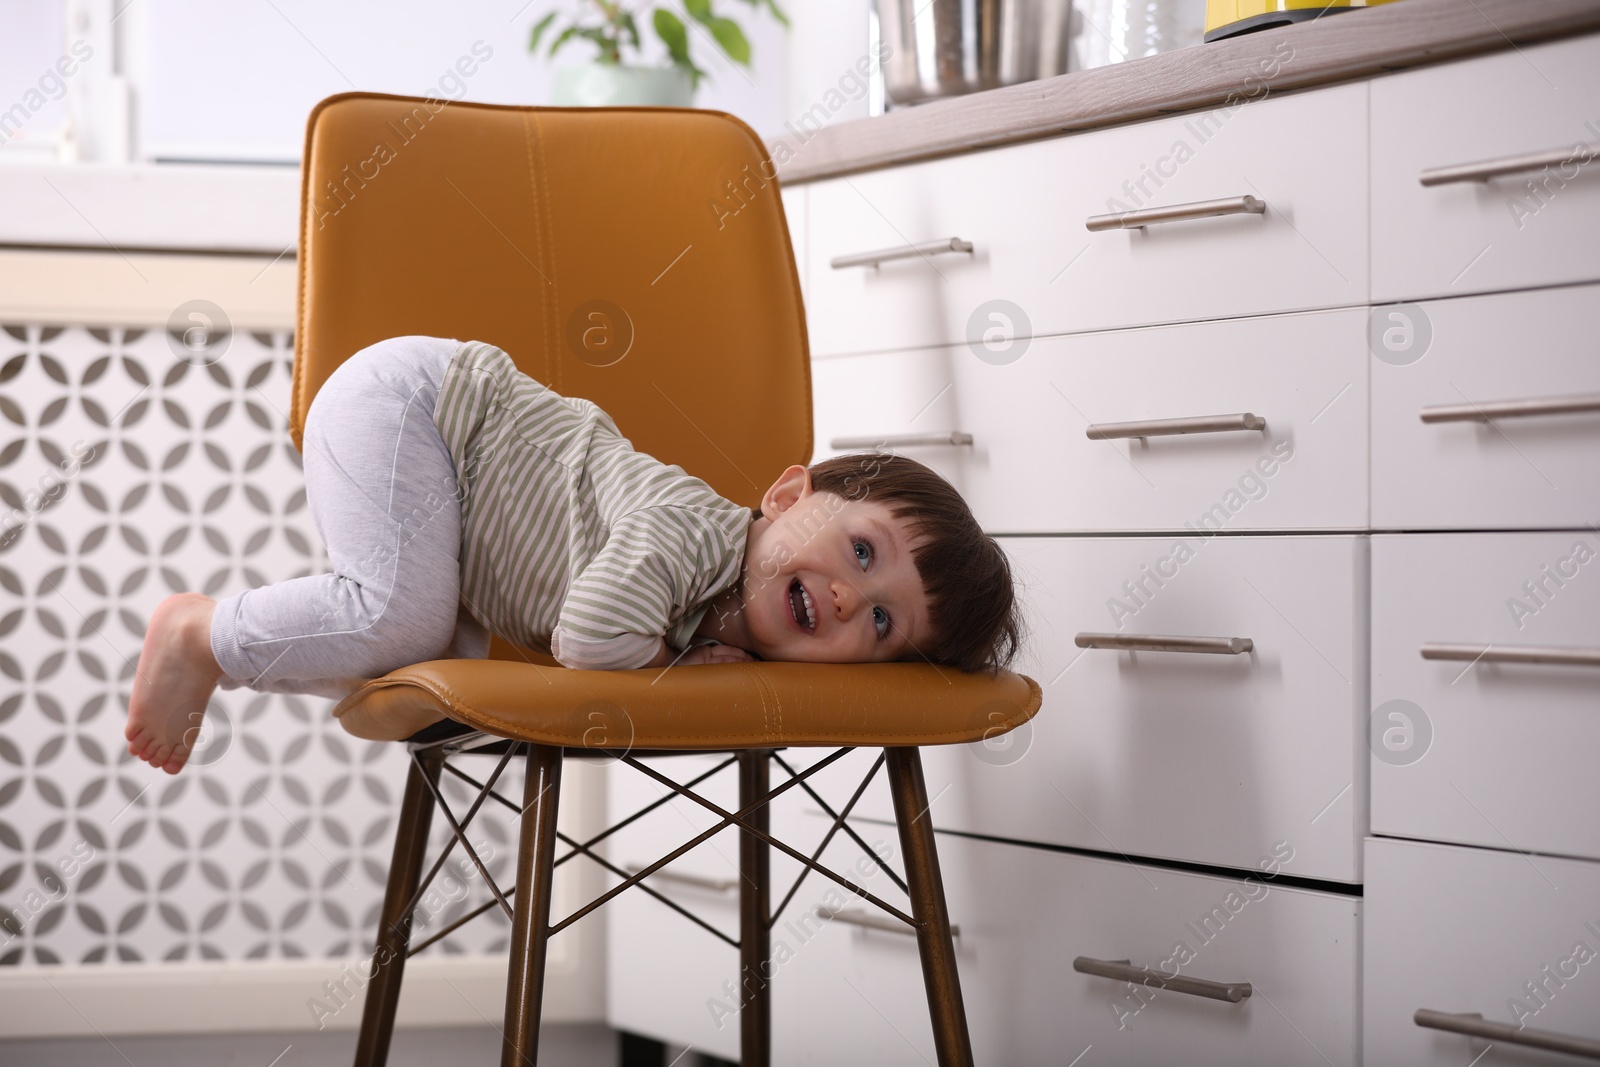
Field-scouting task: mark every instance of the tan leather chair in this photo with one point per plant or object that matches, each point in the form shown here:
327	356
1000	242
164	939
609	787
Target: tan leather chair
638	257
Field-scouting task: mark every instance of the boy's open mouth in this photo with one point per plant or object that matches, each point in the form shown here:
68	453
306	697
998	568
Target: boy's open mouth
801	607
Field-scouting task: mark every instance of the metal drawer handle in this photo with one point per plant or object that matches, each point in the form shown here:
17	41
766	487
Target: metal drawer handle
1216	646
927	248
1512	409
1565	657
1123	971
1106	431
1489	169
715	885
904	440
1203	209
1474	1025
857	917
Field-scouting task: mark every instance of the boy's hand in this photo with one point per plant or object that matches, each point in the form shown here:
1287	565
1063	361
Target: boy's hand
715	654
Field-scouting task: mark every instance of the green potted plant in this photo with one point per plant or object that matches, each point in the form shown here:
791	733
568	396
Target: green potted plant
612	26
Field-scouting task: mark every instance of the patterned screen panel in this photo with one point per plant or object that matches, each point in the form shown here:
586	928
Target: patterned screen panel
129	470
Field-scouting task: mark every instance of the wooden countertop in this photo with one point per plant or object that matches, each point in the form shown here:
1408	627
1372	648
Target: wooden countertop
1339	47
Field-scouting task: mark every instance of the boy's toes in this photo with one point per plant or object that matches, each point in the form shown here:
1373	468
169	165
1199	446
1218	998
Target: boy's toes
175	762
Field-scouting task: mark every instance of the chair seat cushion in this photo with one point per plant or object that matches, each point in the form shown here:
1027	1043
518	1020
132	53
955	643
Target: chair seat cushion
706	707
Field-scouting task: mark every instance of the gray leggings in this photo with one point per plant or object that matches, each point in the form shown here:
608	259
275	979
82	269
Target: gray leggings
381	488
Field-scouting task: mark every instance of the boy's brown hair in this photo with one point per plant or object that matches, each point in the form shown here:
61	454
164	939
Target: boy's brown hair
972	605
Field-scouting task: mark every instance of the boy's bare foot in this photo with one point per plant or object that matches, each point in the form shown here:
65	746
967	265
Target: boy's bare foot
176	677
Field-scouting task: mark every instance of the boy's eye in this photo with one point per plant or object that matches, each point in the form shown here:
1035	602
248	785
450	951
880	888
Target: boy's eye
863	554
880	619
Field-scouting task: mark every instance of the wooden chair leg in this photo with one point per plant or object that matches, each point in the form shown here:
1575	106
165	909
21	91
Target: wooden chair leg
530	923
755	906
934	943
394	929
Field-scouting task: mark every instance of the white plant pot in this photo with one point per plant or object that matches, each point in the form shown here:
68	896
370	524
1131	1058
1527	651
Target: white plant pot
613	85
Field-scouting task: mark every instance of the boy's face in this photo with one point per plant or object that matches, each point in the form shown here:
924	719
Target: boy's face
830	580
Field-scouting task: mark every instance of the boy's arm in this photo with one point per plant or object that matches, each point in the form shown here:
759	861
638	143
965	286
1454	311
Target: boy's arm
699	654
617	609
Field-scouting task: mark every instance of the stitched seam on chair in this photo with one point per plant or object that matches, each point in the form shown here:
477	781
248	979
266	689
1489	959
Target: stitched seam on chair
948	737
777	701
541	216
454	703
521	732
769	702
763	155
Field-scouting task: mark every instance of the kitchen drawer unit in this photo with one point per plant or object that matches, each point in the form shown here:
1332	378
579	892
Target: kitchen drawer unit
664	973
1486	689
1025	915
796	213
1463	933
999	243
1241	424
1486	173
674	981
1206	756
1487	416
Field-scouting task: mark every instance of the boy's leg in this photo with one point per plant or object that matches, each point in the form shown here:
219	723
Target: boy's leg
381	487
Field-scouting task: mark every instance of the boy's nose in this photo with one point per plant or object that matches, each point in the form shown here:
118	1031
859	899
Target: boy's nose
847	598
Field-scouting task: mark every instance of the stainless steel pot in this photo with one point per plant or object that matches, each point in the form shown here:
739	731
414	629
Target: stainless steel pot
948	47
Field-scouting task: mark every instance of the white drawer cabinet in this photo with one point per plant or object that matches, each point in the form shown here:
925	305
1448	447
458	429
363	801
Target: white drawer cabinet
1185	756
1463	931
1145	756
1537	227
796	212
1487	753
1024	209
1025	914
1032	468
1540	469
664	973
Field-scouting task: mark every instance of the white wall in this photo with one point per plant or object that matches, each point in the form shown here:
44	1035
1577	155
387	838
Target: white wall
235	81
826	41
31	93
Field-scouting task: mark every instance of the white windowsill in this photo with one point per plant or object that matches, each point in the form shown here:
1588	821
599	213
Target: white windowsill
177	206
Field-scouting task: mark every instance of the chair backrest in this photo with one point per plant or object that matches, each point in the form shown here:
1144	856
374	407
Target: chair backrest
638	257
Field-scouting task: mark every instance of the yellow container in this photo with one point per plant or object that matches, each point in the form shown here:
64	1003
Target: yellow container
1229	18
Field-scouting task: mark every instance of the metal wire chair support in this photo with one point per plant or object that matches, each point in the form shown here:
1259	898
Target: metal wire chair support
583	848
742	820
614	827
444	853
461	835
839	823
728	819
628	880
486	791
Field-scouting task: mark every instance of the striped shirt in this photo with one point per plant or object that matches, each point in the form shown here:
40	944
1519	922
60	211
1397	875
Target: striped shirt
571	540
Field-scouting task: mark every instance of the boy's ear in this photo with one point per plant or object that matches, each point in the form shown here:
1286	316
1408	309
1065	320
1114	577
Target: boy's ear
792	486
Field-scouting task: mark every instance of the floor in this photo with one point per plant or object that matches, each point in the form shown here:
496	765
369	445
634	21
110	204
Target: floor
562	1046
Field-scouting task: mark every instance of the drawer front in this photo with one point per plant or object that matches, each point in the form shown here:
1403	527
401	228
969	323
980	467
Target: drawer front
1459	930
1536	469
795	210
1025	915
1185	756
1486	753
664	974
1032	468
1538	227
1024	211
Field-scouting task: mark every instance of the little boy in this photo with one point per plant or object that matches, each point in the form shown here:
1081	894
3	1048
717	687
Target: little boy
457	497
